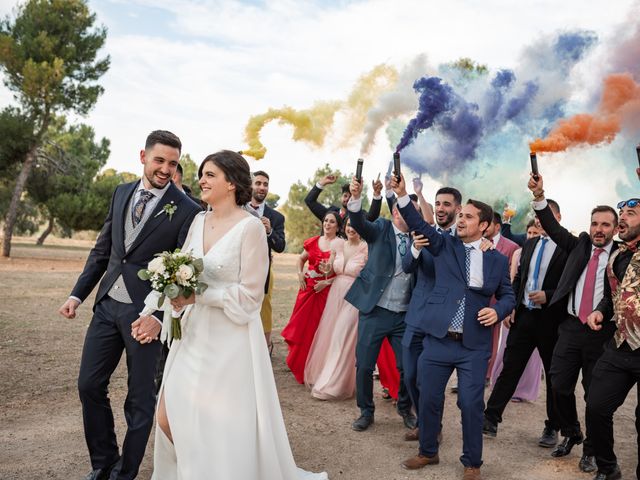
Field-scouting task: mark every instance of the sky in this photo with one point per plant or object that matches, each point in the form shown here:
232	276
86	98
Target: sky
201	68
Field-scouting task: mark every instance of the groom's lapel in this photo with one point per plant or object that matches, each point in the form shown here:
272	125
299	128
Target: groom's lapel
123	201
158	215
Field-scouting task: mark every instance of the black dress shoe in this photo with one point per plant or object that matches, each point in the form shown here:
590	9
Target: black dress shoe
489	428
566	445
409	419
362	423
615	475
100	474
549	438
587	464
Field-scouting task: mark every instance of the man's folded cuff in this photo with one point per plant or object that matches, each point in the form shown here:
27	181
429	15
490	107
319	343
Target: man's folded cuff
76	299
354	205
542	204
403	201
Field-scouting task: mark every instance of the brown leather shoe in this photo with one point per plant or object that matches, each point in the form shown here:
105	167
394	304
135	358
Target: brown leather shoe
419	461
471	473
412	435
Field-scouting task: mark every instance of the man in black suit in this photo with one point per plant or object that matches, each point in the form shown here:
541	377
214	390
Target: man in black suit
177	180
273	222
320	210
535	325
580	289
145	217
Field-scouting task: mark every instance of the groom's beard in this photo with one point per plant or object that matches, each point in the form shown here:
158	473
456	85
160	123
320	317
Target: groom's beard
155	181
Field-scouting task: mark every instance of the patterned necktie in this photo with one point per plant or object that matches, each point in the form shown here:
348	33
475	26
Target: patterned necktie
536	269
458	319
586	302
402	246
138	208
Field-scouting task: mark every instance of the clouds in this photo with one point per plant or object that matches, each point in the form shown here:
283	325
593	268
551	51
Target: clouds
202	68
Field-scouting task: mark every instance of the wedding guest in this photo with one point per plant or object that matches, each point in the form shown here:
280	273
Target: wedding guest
381	294
579	291
330	370
319	210
312	296
534	325
177	181
458	335
529	384
617	371
137	227
273	222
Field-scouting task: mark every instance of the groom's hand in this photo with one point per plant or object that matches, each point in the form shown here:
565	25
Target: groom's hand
68	310
145	329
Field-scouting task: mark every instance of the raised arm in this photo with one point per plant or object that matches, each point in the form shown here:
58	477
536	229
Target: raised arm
242	301
369	231
311	200
376	203
560	235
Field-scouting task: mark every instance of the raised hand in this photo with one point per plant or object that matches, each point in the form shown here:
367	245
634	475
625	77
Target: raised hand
377	187
417	186
328	179
535	185
355	187
399	187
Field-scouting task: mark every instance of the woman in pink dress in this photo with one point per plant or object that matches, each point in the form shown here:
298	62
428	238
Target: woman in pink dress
331	365
314	289
529	384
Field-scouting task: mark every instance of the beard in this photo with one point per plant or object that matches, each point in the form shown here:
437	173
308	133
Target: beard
630	234
448	220
259	197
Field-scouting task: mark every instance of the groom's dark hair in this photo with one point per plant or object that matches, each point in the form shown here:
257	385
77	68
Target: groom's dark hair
236	171
163	137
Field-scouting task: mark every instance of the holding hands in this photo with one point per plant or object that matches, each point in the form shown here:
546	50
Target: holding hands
146	329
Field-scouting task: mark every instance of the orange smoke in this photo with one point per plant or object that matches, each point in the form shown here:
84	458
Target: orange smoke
619	107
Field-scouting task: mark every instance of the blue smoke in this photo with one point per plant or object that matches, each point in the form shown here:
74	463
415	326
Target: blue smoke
571	47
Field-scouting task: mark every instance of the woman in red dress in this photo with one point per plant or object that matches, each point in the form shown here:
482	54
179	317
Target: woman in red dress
313	293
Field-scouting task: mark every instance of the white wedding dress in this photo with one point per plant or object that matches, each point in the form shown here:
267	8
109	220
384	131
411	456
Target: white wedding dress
219	390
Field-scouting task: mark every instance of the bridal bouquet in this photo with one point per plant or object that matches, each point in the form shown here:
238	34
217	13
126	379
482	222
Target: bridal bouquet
172	274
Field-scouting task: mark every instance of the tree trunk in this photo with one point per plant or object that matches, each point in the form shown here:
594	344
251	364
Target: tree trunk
46	232
12	213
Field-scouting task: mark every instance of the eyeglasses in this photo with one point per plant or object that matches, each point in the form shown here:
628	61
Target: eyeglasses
631	203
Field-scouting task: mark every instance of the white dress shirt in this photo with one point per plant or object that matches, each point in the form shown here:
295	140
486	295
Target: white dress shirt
573	306
549	250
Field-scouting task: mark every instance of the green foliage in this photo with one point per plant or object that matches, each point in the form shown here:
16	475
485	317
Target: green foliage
16	137
48	54
272	200
300	222
190	174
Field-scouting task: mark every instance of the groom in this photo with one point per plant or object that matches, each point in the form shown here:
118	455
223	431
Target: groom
138	225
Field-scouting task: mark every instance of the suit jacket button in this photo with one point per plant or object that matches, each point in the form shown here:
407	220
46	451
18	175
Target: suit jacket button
124	261
459	301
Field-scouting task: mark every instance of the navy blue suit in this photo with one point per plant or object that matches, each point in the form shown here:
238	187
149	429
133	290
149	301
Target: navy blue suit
442	353
413	337
376	323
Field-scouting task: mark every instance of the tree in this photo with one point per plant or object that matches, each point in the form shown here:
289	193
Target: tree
61	180
272	200
48	55
190	174
300	223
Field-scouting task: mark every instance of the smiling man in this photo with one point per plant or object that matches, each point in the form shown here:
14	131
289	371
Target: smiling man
136	228
458	321
579	291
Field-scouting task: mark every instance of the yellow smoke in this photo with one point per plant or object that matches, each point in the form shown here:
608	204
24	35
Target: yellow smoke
313	125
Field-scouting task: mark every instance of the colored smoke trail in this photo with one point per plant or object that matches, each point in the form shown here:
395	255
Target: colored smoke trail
619	107
314	124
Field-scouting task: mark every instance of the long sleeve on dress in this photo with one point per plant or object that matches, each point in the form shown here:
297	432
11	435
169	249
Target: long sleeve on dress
242	301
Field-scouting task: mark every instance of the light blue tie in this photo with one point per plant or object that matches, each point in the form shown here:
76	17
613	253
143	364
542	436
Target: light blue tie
458	319
536	269
402	246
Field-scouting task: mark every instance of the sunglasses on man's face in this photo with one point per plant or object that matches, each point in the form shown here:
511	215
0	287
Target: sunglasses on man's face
631	203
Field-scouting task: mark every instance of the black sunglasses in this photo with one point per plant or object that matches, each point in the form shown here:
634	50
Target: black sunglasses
631	203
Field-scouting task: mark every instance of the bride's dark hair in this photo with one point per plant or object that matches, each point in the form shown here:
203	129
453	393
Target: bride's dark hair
236	171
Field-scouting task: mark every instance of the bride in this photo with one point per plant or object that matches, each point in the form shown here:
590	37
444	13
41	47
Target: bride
218	413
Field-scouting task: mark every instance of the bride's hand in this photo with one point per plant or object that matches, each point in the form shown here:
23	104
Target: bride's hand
180	302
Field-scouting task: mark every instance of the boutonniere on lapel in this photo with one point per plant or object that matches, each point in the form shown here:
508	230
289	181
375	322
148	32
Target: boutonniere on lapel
168	209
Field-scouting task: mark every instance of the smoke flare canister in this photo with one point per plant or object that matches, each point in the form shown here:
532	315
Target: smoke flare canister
534	165
359	170
396	165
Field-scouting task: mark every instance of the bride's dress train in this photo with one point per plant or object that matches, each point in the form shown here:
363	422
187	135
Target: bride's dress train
219	390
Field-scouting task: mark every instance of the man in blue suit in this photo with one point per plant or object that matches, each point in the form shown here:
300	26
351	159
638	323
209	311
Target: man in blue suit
456	326
381	294
448	204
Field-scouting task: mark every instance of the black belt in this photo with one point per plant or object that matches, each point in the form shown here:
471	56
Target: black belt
457	336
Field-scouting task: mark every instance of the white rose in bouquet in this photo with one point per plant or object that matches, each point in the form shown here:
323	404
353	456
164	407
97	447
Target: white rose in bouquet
157	265
184	274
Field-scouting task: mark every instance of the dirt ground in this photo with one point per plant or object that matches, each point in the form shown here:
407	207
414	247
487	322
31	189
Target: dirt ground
41	428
